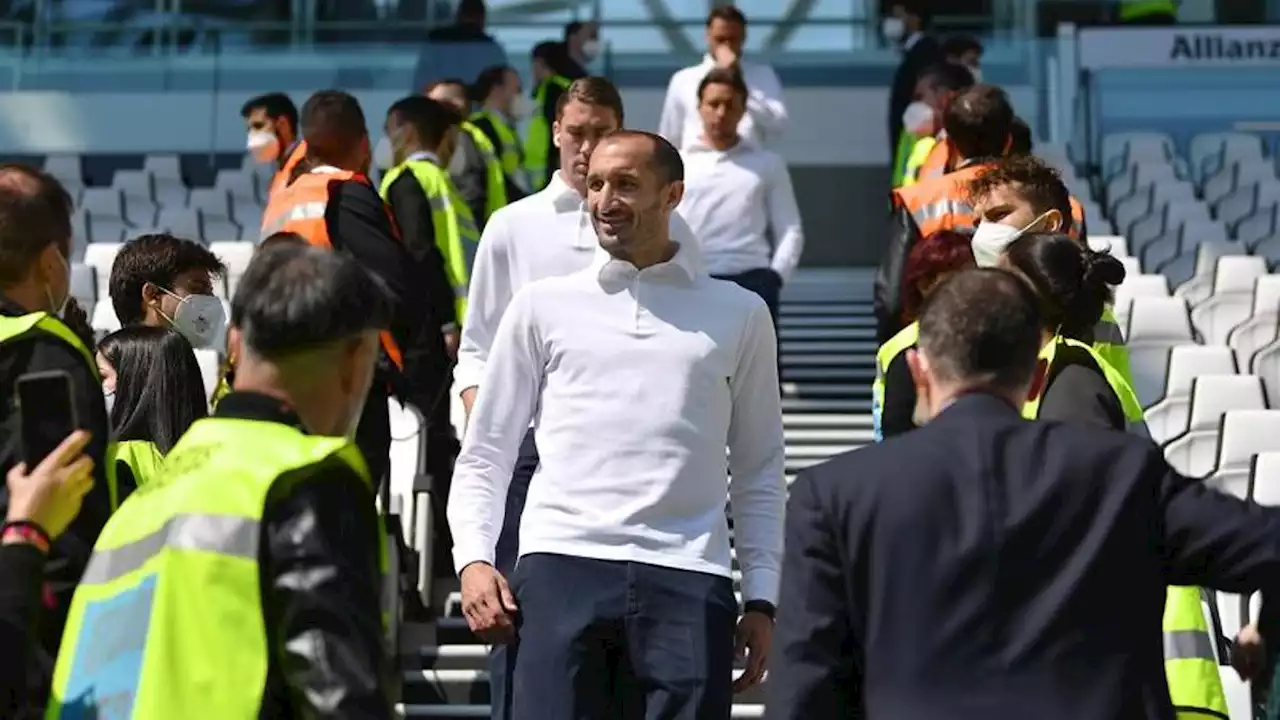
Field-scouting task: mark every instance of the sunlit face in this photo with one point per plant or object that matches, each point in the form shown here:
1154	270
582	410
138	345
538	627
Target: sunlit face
721	109
1007	206
576	133
727	33
628	199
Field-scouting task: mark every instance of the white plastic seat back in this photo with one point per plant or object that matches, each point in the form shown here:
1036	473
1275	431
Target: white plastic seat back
1132	267
1169	418
100	256
182	222
1261	328
1114	244
210	368
408	458
1156	324
1245	433
1195	452
84	285
1266	364
235	254
241	185
164	167
1138	285
1264	485
68	169
104	320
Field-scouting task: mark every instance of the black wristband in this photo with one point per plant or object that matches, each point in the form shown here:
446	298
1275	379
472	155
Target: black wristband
764	607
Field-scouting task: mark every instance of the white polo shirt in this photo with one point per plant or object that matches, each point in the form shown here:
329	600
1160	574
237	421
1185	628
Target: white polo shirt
546	234
636	382
766	117
742	208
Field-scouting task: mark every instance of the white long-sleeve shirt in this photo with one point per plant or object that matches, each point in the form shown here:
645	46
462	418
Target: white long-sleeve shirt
546	234
742	208
766	117
636	381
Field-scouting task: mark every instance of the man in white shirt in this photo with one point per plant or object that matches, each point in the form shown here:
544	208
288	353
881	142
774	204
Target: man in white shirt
637	372
766	115
544	235
738	197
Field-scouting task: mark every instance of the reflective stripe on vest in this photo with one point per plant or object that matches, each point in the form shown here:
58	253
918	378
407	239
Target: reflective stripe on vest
510	153
299	207
916	159
168	620
1191	665
907	337
16	327
1119	384
495	181
455	231
937	162
1077	218
1108	341
941	204
537	138
142	458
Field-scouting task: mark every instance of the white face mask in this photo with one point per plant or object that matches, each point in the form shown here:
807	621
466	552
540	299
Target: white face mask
521	106
590	50
109	398
264	146
917	117
991	238
384	157
975	71
200	318
893	29
57	308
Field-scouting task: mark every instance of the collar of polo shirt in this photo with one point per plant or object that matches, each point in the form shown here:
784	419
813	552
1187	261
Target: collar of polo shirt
563	197
614	274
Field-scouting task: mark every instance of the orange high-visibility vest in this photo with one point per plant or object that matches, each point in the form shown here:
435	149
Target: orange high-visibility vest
941	203
1077	218
281	178
299	207
939	161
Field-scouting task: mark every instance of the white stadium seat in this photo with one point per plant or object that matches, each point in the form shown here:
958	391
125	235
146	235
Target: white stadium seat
1116	245
1194	453
1156	324
100	257
181	222
1266	364
104	320
210	369
1264	483
235	255
1169	418
1260	328
1245	433
138	190
69	170
1232	299
106	214
84	285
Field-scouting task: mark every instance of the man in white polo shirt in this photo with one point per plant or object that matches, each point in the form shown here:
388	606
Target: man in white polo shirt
637	372
738	197
544	235
766	115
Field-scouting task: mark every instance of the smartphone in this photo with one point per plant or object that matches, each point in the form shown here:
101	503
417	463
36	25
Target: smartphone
47	411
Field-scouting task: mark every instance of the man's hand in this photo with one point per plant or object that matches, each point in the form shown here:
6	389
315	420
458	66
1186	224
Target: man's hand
487	603
1249	654
752	640
50	495
724	56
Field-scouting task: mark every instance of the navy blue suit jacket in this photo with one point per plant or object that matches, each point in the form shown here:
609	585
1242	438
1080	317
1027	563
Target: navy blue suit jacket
988	567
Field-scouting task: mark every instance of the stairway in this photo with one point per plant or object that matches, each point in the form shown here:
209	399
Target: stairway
828	362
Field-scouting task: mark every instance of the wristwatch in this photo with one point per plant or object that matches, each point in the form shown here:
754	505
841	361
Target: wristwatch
764	607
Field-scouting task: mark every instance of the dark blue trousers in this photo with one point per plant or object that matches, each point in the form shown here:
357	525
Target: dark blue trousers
606	640
503	657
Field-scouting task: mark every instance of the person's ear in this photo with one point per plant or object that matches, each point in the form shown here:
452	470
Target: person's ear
151	295
675	193
555	133
233	345
1054	222
918	365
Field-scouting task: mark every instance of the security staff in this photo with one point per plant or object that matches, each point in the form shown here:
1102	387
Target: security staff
474	167
937	88
502	105
550	82
35	244
977	122
271	121
331	203
244	580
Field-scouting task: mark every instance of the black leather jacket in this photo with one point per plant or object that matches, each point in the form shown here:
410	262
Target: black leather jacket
320	587
903	235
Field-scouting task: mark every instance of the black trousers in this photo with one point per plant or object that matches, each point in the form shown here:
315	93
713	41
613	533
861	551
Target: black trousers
502	658
373	434
606	640
768	285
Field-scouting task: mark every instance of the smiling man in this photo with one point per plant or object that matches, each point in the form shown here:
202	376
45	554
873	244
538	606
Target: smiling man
640	369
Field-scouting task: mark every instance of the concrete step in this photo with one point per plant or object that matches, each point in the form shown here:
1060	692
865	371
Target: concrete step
461	712
845	436
822	451
847	361
471	687
826	308
825	420
864	348
792	334
825	321
827	390
841	373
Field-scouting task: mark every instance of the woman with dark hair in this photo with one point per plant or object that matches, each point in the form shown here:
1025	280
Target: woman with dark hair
930	261
1073	284
156	394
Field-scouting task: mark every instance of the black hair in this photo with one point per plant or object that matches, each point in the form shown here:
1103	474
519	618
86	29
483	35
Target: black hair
978	121
294	298
920	8
1020	137
158	259
35	212
1030	179
159	388
332	124
1073	283
556	55
471	10
948	76
284	237
492	77
431	119
571	28
724	76
666	159
728	13
957	45
276	105
982	327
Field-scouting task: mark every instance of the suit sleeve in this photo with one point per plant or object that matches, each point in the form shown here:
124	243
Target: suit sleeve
321	587
811	669
903	235
412	213
898	414
1211	539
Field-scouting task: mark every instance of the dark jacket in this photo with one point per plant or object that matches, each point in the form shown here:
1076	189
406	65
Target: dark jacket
70	553
923	53
988	567
320	587
470	175
1077	391
412	212
20	581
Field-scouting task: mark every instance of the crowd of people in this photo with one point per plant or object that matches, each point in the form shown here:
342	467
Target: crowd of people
604	302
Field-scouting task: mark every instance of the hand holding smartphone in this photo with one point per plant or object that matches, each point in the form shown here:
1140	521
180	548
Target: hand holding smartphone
47	411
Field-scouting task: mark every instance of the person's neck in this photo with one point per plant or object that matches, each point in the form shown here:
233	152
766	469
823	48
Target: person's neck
29	296
264	379
944	396
491	105
653	252
724	143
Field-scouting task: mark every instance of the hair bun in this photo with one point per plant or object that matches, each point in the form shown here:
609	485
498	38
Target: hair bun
1101	267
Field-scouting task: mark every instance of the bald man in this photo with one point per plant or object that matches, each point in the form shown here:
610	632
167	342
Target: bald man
475	169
